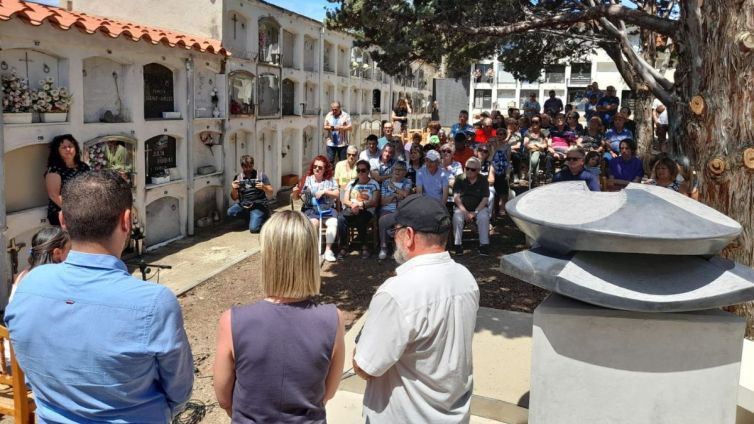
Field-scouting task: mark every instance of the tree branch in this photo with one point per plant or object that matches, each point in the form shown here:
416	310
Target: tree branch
632	16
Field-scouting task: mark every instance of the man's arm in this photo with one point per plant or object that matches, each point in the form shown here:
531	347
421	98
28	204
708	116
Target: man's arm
385	322
169	344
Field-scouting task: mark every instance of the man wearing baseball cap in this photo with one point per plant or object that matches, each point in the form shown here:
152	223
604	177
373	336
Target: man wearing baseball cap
432	179
415	347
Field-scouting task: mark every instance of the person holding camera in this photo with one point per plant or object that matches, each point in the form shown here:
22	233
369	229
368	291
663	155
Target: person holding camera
250	190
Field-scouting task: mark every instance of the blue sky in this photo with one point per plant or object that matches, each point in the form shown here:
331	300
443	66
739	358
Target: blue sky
314	9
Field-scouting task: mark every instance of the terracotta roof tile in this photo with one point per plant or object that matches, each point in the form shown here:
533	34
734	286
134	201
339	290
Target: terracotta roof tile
36	14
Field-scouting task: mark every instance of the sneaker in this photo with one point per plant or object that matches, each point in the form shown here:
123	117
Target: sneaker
329	256
458	249
383	254
484	250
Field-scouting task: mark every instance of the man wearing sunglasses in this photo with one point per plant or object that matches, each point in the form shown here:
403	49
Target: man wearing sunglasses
575	170
470	195
427	312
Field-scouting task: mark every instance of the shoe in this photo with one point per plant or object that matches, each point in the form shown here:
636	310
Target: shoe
484	250
365	253
458	249
383	254
329	256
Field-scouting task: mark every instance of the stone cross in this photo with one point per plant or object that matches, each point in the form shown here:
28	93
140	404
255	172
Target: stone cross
13	249
235	21
26	61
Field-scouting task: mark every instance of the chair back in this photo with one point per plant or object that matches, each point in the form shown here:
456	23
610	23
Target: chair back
14	396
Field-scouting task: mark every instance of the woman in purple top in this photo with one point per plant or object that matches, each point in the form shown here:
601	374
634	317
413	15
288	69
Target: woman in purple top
626	168
280	359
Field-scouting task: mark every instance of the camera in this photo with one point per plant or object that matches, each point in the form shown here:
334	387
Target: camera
248	183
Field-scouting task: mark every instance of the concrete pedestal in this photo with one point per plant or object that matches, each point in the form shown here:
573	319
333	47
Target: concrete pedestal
598	365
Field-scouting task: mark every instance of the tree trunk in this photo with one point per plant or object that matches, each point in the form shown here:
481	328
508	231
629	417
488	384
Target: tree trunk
716	65
644	126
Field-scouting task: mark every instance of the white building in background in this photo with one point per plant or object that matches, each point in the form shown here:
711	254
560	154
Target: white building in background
568	81
154	77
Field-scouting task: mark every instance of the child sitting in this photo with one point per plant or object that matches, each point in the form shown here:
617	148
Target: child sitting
592	163
48	246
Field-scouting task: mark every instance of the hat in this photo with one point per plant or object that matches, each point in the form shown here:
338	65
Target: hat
460	136
433	156
423	213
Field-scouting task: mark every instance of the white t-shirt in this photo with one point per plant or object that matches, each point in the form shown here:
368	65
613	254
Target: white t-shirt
341	136
662	118
416	341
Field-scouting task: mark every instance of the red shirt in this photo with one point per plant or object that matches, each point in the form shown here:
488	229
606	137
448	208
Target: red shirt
482	137
462	157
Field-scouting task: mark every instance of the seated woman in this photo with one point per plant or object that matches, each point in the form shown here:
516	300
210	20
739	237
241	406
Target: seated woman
415	162
665	174
393	191
320	192
536	144
63	164
50	245
359	203
626	168
281	359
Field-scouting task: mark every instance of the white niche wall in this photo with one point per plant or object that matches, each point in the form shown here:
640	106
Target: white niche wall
105	91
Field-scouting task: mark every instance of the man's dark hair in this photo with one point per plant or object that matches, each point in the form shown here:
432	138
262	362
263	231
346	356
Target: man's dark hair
92	203
464	112
372	137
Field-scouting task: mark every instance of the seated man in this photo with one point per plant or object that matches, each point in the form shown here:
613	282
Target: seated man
361	198
575	170
250	190
383	167
371	152
470	195
432	178
98	345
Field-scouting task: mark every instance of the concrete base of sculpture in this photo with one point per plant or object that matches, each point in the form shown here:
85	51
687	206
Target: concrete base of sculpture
597	365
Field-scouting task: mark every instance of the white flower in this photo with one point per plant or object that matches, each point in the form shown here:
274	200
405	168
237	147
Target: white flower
50	80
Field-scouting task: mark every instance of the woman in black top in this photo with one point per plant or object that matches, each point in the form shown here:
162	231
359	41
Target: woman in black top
63	164
400	115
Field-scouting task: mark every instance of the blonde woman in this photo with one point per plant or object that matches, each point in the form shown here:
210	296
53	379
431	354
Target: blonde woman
281	358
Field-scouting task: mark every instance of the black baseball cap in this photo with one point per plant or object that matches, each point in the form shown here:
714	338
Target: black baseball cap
424	214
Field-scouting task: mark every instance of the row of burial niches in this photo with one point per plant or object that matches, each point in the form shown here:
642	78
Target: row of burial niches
37	89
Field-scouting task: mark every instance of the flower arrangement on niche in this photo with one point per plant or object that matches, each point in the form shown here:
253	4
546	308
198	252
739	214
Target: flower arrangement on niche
16	95
51	99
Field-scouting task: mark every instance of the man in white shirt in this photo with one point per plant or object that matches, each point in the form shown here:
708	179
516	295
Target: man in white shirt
415	347
337	127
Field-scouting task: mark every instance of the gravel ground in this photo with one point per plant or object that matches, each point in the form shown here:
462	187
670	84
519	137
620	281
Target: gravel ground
349	284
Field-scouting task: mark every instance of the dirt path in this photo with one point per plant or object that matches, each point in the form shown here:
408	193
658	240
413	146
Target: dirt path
349	284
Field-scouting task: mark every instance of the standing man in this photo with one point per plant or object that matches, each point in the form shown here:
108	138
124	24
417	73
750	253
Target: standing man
250	190
415	347
96	344
607	106
463	125
553	105
531	106
337	126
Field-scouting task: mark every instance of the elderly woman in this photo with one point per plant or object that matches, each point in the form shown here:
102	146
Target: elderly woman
452	167
63	164
281	359
665	174
345	170
536	144
626	168
393	191
361	198
320	192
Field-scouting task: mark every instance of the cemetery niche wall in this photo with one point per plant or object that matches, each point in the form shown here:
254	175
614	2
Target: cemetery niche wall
160	159
269	93
159	95
104	91
241	93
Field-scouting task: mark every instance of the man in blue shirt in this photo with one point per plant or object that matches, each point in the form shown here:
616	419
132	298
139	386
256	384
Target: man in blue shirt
387	137
462	125
431	179
608	106
575	170
616	134
98	345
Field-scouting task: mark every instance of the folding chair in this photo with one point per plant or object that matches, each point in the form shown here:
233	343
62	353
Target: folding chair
15	398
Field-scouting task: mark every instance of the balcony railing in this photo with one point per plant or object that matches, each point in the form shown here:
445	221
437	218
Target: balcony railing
555	77
581	78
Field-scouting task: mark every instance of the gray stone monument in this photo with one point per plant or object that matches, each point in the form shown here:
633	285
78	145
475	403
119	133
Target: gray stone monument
632	333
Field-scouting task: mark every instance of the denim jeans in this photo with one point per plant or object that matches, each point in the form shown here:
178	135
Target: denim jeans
338	152
257	216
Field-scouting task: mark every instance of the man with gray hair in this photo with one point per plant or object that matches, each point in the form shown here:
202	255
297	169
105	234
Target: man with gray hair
337	126
415	347
470	195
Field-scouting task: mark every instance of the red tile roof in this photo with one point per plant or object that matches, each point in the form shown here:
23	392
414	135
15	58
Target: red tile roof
35	14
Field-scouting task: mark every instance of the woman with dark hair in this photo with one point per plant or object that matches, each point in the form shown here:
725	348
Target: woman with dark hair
415	162
400	115
320	192
63	164
626	168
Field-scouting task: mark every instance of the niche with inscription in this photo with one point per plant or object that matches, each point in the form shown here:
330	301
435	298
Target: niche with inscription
159	97
160	157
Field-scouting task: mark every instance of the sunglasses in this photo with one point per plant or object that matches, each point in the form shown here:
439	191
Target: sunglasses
572	159
472	169
446	151
362	170
318	167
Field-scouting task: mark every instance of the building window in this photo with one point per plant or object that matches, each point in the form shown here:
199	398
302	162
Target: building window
581	73
376	100
289	97
241	93
482	99
269	94
555	73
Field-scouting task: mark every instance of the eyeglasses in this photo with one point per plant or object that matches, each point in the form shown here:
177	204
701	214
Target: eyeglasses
318	167
472	169
392	231
399	169
362	170
573	159
446	151
353	155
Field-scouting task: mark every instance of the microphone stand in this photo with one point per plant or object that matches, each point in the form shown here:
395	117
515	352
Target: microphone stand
137	235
